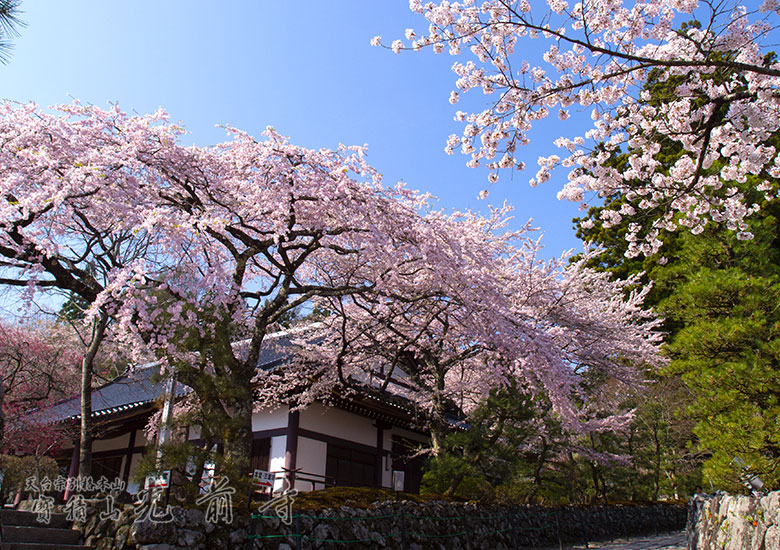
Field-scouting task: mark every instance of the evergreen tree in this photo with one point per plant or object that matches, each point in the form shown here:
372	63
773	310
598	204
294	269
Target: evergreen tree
720	298
9	26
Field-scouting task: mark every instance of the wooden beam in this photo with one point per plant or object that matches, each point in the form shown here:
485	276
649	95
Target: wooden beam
380	445
73	471
291	448
128	458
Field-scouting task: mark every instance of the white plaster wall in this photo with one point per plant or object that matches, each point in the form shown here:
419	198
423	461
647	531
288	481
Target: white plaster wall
387	472
387	466
269	419
339	423
276	458
112	444
312	456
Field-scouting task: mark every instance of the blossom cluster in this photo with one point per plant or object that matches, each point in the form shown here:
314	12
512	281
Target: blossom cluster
200	251
597	57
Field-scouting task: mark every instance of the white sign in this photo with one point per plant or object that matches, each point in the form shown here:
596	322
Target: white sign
159	480
398	480
263	478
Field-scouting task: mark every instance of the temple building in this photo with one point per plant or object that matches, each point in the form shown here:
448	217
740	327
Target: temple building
356	441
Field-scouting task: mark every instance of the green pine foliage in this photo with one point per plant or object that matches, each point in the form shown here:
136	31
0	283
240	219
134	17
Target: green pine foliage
728	347
500	453
720	299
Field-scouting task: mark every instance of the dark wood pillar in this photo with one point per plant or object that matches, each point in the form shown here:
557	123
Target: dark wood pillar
73	471
291	448
380	451
128	458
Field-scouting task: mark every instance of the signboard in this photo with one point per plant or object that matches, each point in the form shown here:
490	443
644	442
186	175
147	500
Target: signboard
261	478
398	480
158	480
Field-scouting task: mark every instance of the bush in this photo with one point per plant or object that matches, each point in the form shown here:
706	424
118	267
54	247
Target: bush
17	469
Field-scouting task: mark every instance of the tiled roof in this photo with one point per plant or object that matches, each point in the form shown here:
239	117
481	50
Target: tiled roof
128	391
137	388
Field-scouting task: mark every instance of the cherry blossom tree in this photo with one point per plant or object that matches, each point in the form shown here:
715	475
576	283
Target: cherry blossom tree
59	231
263	227
37	368
238	235
595	56
196	252
190	249
499	316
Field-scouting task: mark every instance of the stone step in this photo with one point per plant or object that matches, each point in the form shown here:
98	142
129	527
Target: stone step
30	519
33	546
53	535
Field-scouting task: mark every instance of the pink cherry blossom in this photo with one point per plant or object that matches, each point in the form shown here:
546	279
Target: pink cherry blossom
598	55
211	246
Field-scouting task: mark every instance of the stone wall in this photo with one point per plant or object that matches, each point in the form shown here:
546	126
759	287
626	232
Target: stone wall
726	522
188	529
391	525
416	526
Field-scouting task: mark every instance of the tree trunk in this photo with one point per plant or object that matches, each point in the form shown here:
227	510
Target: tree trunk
200	461
594	475
634	469
571	479
438	421
238	443
238	432
458	479
657	472
540	462
87	368
2	414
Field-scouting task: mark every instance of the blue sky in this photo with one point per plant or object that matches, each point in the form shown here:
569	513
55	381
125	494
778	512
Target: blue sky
305	68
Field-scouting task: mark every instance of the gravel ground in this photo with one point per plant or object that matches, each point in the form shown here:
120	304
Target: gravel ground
669	541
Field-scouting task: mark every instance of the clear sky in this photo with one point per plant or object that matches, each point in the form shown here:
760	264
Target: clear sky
305	68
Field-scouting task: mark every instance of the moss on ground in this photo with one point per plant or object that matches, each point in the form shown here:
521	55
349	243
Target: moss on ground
354	497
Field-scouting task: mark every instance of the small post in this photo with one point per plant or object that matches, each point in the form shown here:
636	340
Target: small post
558	528
513	523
